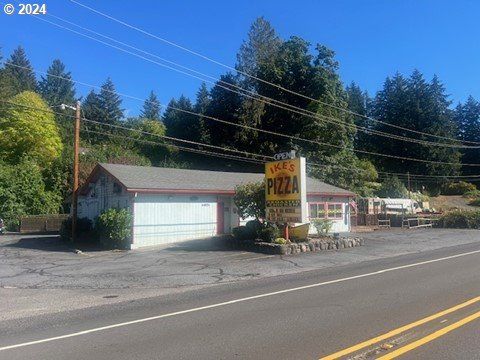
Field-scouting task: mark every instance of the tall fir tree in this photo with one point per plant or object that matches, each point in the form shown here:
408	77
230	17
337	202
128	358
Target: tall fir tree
467	117
201	105
262	42
91	110
110	103
224	105
422	106
151	108
19	72
359	102
57	86
179	124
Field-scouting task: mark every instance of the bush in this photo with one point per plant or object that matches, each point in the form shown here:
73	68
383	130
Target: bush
84	226
458	188
269	233
323	226
280	241
243	233
475	202
392	187
250	200
255	226
114	228
460	219
472	194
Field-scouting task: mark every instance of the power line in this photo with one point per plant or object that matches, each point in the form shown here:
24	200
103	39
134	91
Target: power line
201	144
195	143
243	92
267	131
257	78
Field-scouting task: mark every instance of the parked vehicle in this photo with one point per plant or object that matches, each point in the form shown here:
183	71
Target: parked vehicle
2	227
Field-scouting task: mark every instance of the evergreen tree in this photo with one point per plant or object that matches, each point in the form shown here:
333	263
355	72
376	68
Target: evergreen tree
178	123
201	105
7	88
57	87
110	103
262	42
224	105
467	117
19	72
151	108
415	104
91	110
359	103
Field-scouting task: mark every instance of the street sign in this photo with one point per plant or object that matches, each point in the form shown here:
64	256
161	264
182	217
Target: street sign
286	191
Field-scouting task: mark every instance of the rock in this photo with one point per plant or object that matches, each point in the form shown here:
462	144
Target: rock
79	252
311	246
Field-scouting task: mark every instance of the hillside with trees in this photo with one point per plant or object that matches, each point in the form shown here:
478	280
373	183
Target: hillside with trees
335	126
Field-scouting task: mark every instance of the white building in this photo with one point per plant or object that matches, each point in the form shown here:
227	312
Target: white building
170	205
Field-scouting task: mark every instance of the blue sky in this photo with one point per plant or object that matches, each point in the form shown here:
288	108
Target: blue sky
372	39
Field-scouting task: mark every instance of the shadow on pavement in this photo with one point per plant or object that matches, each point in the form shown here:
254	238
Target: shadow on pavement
50	243
209	244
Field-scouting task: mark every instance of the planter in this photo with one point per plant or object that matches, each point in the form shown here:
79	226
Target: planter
312	245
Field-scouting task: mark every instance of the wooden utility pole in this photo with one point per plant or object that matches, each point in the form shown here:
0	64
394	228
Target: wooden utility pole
76	145
409	186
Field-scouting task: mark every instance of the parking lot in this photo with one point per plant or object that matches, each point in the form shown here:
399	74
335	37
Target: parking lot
32	263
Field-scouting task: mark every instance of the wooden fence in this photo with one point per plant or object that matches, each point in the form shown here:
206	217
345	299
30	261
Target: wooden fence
362	219
42	223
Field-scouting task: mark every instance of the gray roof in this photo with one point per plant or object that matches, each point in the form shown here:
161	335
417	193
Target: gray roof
157	178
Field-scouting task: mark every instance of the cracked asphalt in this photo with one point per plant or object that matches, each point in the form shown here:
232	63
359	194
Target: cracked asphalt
39	274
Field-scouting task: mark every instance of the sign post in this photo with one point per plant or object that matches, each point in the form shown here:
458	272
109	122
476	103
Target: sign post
286	191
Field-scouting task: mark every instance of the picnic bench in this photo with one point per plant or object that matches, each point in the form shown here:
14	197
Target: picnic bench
384	223
418	222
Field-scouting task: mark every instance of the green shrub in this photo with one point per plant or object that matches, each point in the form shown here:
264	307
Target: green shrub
475	202
243	233
460	219
84	226
458	188
280	241
255	226
269	233
472	194
323	226
114	228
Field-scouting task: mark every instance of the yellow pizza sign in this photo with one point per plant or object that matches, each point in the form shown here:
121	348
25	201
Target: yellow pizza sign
285	191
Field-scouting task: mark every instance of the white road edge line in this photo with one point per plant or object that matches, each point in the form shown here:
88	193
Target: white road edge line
260	296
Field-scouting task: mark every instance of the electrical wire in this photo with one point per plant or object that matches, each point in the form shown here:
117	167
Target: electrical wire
266	100
259	79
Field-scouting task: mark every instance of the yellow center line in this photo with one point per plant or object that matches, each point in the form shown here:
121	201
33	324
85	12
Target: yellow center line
399	330
430	337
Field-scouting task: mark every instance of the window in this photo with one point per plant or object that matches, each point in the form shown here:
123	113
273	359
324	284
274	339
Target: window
317	210
326	210
335	211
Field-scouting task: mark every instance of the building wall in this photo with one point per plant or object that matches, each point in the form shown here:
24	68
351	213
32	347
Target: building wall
339	224
104	194
163	219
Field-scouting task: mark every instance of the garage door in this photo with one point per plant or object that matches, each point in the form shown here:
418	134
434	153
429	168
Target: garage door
167	219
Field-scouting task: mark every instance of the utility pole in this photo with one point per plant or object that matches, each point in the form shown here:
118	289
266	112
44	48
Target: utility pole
76	145
409	186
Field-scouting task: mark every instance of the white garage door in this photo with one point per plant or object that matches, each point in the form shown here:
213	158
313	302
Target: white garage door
161	219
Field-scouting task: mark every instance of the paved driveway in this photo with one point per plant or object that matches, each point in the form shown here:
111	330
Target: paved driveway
41	274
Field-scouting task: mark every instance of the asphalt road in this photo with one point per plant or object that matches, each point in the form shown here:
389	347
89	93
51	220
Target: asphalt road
306	315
